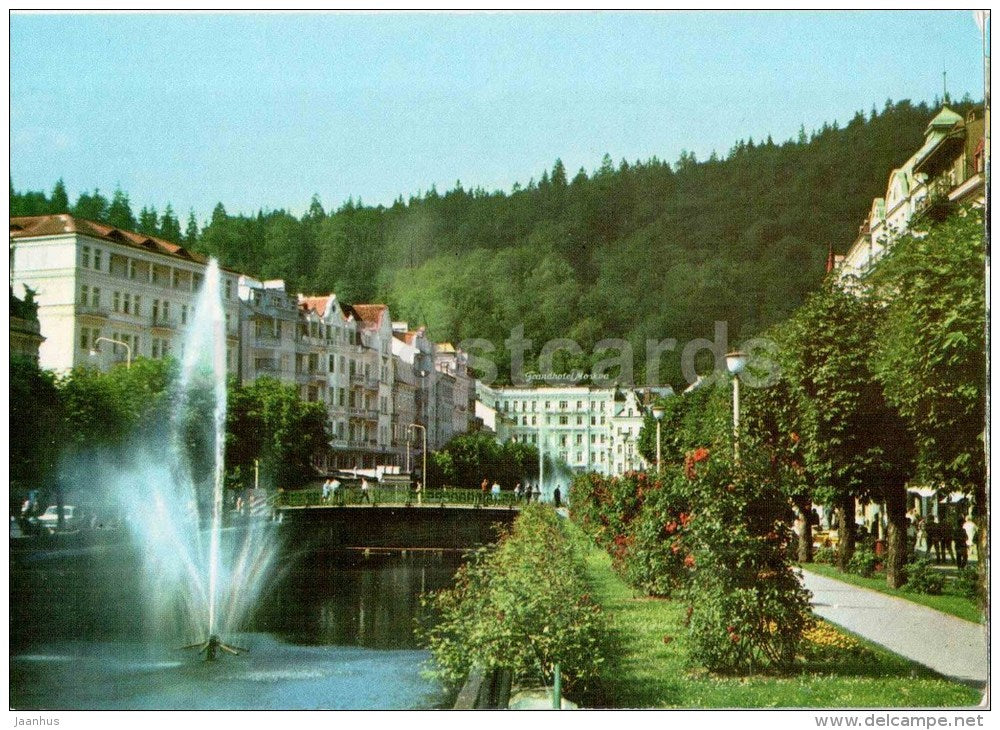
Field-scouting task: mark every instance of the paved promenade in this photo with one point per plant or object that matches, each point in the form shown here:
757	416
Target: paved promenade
949	645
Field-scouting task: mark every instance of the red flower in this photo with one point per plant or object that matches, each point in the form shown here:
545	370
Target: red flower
794	437
689	560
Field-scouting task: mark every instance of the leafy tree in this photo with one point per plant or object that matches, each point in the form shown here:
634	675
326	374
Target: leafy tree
854	444
469	458
267	422
930	350
37	410
91	207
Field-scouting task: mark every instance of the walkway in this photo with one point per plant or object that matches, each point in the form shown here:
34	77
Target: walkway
950	646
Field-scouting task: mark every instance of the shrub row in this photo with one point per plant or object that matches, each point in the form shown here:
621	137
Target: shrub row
715	535
521	605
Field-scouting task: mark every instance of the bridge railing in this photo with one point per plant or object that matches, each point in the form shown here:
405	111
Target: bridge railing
345	496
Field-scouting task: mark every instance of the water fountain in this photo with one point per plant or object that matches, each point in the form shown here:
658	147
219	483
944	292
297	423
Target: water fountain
203	579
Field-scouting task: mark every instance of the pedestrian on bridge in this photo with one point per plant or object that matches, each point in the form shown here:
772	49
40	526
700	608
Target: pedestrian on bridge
364	490
517	492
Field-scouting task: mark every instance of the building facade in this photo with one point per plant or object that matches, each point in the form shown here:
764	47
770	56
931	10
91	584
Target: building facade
105	295
949	170
587	428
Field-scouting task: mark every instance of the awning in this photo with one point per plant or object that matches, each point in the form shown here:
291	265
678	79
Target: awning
922	491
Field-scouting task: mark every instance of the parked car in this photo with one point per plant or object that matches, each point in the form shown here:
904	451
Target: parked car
49	519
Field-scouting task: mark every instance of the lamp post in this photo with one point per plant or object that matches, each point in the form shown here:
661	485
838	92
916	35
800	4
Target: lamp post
128	349
424	430
658	415
736	362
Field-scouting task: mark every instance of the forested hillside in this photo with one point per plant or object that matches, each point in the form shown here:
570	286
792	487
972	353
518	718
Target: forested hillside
633	250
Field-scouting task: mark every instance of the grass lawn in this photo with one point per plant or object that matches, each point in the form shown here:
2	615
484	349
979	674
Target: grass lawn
650	667
954	605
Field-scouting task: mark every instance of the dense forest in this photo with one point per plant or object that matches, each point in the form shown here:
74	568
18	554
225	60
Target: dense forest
634	250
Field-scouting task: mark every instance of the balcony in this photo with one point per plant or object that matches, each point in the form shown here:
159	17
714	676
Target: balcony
86	310
364	414
367	382
264	365
161	322
936	204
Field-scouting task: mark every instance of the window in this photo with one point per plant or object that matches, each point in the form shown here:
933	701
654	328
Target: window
116	301
137	305
85	257
84	338
579	439
593	420
130	268
563	405
548	405
84	295
602	420
524	420
229	288
579	420
332	364
579	456
97	259
562	440
563	420
95	297
127	303
166	310
593	438
175	279
156	310
579	405
534	420
184	314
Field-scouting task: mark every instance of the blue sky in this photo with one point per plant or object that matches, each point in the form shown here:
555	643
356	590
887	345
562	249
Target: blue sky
263	110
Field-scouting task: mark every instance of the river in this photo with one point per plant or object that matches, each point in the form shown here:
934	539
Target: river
335	632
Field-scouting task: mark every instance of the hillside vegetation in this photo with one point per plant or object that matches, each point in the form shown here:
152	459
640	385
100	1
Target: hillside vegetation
633	250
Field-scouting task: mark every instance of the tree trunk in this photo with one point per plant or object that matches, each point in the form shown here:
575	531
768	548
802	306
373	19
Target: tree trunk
804	508
845	532
895	560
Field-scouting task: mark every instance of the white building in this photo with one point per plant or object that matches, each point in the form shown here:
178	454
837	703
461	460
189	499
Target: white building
95	283
948	170
587	428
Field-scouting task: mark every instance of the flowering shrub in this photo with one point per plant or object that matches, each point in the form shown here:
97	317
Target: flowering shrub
822	641
521	605
748	609
642	521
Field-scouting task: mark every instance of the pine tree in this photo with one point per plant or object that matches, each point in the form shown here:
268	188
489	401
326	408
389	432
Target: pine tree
191	232
149	221
120	212
170	227
59	202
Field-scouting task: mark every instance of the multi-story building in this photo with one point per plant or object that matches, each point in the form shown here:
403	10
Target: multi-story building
370	397
947	171
450	361
106	295
587	428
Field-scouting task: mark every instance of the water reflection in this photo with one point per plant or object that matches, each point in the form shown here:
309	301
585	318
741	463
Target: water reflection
336	631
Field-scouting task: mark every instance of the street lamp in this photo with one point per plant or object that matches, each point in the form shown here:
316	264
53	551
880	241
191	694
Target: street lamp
658	415
128	349
736	363
409	430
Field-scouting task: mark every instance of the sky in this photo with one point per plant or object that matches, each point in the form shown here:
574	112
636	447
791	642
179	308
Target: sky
265	110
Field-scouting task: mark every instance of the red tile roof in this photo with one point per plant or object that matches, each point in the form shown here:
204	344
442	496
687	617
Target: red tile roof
315	304
370	314
35	226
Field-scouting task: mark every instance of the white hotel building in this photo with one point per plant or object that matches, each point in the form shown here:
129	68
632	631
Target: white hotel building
94	281
587	428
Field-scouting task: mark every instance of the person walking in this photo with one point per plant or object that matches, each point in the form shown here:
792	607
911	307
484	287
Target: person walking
970	532
557	498
420	493
495	491
517	492
961	545
933	536
537	493
364	490
484	489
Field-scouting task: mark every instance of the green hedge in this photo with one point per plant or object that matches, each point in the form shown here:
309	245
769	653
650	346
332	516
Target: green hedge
523	605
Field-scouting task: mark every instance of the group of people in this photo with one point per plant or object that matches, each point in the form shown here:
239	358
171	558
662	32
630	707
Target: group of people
940	539
522	493
332	489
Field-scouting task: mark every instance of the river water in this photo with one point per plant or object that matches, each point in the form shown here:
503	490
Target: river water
335	631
